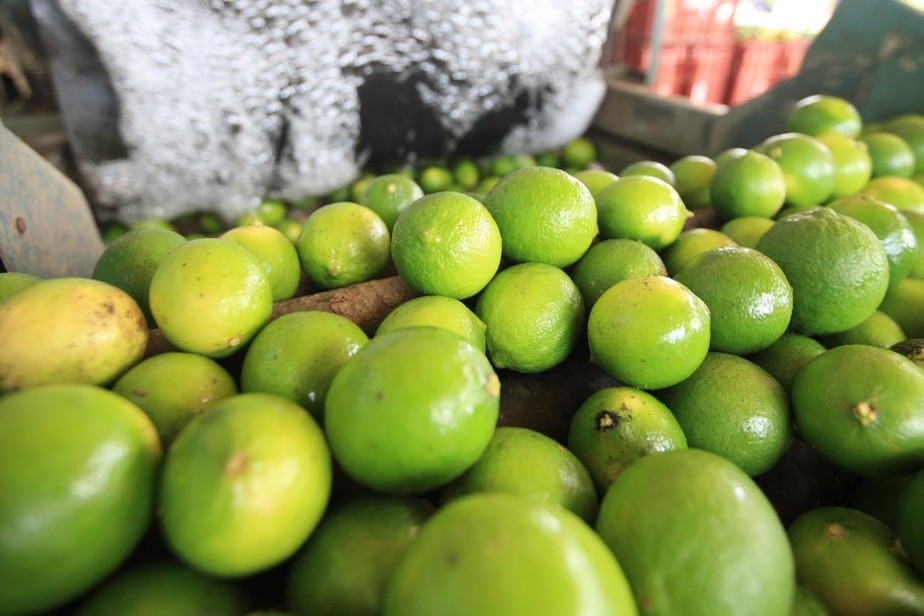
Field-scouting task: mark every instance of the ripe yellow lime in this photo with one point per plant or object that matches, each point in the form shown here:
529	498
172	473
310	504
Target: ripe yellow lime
342	244
388	195
595	179
746	230
130	261
616	426
437	311
651	168
696	536
275	251
859	407
343	568
750	185
878	330
734	408
297	355
534	315
412	410
578	153
853	166
823	113
545	215
497	553
691	244
643	208
749	298
446	244
836	265
905	304
901	192
172	388
244	485
211	296
526	462
78	468
649	332
692	178
807	165
784	358
69	330
891	155
609	261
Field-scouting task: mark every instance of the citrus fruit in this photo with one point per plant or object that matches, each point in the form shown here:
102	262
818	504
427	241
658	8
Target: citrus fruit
534	315
691	244
891	155
904	303
466	174
13	282
446	244
853	166
845	558
609	261
616	426
784	358
164	587
211	297
434	179
343	568
692	178
497	553
903	193
749	298
734	408
437	311
243	485
595	179
836	265
750	185
297	355
643	208
526	462
648	332
545	215
578	153
172	388
550	158
807	604
859	406
69	330
913	134
78	478
878	330
729	154
916	220
152	223
412	410
342	244
908	511
130	261
275	252
650	168
823	113
357	188
889	225
793	209
807	165
733	560
388	195
746	230
290	228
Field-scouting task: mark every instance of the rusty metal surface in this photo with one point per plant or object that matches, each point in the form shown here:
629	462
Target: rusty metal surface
46	226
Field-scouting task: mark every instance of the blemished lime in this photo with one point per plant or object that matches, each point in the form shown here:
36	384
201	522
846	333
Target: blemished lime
823	113
807	165
390	194
641	207
609	261
692	179
437	311
692	243
750	185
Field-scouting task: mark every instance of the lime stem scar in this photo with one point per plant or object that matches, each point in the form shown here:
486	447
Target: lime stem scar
864	412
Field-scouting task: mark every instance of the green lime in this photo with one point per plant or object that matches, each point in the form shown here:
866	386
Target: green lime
271	211
290	228
916	220
853	166
822	113
859	407
596	179
77	476
609	261
641	208
692	243
153	223
14	282
903	193
807	165
904	303
616	426
692	179
648	332
578	153
534	315
486	185
729	154
878	330
277	254
545	215
412	410
549	158
529	463
807	604
437	311
913	134
497	553
434	179
891	155
651	168
750	185
466	174
784	358
389	195
357	188
112	231
746	230
210	223
908	511
446	244
342	244
696	536
244	485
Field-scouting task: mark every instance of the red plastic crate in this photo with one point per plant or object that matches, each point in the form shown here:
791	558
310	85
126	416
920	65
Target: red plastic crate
755	69
710	68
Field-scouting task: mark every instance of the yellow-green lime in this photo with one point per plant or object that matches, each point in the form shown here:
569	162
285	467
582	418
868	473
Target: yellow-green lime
545	215
904	302
641	207
578	153
13	282
342	244
650	332
595	179
290	228
466	174
807	604
153	223
534	315
692	178
607	262
271	211
784	358
275	251
823	113
750	185
807	165
729	154
905	194
447	244
355	190
650	168
616	426
211	296
437	311
693	243
746	230
853	166
879	330
388	195
891	155
913	134
794	209
916	220
434	179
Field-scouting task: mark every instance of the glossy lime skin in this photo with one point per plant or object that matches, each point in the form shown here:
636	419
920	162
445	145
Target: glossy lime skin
497	553
77	477
807	165
641	207
276	253
649	332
